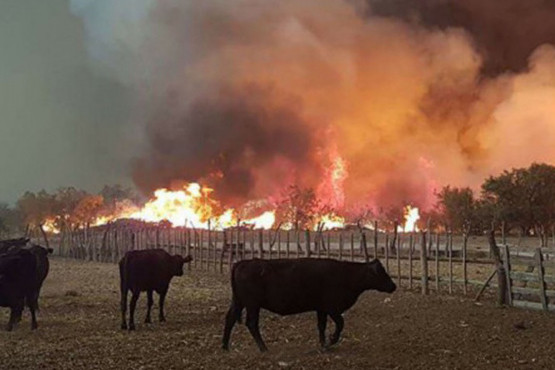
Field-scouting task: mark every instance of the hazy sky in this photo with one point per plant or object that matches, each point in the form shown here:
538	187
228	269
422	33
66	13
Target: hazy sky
61	123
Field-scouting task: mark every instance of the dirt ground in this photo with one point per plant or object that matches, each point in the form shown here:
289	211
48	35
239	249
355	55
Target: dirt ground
79	328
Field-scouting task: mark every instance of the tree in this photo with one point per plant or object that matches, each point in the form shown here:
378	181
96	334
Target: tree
36	208
10	220
299	207
458	207
88	209
523	197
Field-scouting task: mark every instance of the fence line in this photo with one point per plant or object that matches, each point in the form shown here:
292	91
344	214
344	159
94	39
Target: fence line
410	258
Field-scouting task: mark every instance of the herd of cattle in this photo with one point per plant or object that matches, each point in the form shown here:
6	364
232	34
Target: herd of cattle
283	286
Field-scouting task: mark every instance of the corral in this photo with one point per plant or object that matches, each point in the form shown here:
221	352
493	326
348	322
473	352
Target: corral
79	328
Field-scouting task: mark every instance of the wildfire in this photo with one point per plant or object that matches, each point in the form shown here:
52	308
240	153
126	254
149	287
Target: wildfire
264	221
330	221
412	215
49	226
191	206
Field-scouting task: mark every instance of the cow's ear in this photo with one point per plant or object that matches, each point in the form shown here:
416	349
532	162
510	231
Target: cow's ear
187	258
50	250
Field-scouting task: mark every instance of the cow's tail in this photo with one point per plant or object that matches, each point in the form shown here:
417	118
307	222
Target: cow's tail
235	303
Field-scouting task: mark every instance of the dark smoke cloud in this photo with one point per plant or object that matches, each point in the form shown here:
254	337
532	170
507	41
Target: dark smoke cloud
224	140
506	32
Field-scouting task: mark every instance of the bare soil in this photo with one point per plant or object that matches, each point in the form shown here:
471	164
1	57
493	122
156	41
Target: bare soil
79	327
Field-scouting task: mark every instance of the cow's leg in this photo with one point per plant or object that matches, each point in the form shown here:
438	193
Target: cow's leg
233	315
150	301
12	320
132	306
15	315
338	319
124	293
322	321
253	314
32	308
161	315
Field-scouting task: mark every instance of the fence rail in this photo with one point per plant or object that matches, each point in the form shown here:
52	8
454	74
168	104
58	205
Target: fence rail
430	262
530	278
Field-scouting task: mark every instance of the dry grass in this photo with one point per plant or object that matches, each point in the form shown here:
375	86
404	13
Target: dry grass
79	328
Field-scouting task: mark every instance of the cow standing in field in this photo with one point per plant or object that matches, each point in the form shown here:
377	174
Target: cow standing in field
147	270
18	284
287	287
42	265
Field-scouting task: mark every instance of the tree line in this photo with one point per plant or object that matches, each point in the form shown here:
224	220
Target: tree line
518	201
66	207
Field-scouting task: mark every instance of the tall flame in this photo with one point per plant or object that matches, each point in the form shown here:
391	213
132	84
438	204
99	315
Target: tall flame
412	215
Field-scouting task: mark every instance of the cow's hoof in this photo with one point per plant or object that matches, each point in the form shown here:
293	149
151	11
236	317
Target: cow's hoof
162	319
333	340
123	326
131	327
225	347
34	326
9	328
147	320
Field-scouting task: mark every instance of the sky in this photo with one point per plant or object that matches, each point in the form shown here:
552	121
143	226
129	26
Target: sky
61	123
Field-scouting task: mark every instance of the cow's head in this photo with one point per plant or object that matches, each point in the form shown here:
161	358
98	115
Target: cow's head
40	250
177	264
379	278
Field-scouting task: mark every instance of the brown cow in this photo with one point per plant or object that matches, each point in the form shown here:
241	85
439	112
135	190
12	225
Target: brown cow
291	286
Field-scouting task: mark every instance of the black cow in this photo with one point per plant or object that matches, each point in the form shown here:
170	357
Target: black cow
5	245
43	265
147	270
18	277
287	287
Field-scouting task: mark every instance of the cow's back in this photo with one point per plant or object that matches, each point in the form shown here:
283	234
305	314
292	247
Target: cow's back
288	286
145	269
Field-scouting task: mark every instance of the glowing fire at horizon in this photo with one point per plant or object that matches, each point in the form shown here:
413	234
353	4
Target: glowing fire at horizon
412	215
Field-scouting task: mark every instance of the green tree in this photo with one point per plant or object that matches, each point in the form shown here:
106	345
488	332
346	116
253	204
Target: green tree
458	207
523	197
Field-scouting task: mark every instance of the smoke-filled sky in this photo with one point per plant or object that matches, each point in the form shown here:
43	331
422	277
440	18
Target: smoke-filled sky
61	122
250	96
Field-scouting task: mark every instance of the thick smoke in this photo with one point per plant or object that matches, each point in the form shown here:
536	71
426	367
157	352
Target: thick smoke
250	96
505	32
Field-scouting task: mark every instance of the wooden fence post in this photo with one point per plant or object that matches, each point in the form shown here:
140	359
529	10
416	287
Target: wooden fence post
386	251
279	244
465	271
230	249
411	247
437	261
424	264
539	265
287	243
450	251
376	239
364	246
398	249
352	245
307	240
261	243
507	267
328	249
502	274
